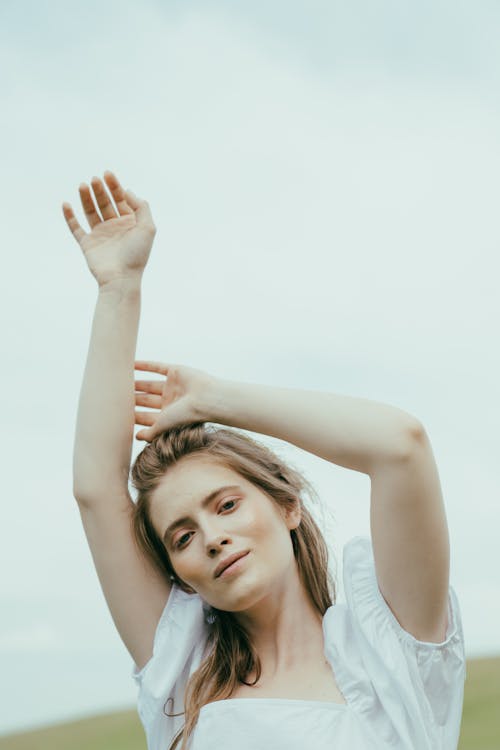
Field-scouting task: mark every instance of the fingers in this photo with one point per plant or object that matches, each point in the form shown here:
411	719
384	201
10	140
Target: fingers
150	386
89	208
132	200
153	402
75	228
142	211
150	433
152	366
147	435
123	204
126	203
102	197
146	418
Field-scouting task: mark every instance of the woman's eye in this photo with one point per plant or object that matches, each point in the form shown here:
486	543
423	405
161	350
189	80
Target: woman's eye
228	501
180	543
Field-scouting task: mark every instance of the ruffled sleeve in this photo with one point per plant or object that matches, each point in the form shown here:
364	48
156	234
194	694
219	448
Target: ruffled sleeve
178	648
409	693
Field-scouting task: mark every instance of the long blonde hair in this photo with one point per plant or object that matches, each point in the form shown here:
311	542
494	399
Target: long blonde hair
232	656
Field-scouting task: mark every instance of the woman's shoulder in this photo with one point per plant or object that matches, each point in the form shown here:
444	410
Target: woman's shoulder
181	628
368	608
381	668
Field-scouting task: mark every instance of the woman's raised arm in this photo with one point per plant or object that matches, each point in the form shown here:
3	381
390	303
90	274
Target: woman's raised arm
407	513
116	250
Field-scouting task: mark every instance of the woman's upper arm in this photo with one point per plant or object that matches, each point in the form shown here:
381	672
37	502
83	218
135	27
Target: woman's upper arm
135	591
411	541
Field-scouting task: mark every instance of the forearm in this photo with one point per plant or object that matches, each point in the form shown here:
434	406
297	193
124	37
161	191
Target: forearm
105	421
355	433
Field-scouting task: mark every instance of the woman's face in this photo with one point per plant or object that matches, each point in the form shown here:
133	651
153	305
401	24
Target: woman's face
241	518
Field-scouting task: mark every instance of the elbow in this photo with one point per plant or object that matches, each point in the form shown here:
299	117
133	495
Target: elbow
82	495
86	494
414	435
102	493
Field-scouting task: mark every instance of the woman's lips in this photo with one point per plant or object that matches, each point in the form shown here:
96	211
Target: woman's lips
234	567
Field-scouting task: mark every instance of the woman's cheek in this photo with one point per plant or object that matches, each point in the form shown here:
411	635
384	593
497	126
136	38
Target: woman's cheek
254	524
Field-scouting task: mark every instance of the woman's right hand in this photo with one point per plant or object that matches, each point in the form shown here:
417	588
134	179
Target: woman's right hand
180	399
118	245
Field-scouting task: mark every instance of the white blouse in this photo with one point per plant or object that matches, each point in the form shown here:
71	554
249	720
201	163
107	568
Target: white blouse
400	692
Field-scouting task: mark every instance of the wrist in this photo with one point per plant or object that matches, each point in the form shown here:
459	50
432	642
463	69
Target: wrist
213	403
121	284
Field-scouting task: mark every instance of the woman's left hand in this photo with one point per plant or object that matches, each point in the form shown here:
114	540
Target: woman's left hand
177	400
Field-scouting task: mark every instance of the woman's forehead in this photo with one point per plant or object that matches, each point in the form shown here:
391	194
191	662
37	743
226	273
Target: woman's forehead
197	470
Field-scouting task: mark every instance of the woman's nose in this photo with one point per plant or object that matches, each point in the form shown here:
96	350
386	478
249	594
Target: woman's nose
214	540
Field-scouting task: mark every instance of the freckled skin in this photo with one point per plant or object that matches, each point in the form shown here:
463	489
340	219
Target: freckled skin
236	521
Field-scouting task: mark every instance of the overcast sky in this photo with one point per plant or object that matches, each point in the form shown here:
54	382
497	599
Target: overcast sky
324	178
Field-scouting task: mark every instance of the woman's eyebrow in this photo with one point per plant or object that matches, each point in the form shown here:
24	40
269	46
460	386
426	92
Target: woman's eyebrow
206	501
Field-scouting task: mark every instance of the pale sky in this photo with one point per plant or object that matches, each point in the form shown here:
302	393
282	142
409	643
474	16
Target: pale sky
324	180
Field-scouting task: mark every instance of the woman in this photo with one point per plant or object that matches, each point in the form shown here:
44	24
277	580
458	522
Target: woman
256	654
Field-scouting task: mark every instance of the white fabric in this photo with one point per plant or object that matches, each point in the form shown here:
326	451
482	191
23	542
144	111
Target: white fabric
400	693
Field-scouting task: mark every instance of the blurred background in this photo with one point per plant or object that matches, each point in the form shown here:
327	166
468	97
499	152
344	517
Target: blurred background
324	178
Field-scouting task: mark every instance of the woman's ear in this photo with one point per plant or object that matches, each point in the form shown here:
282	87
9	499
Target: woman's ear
293	515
